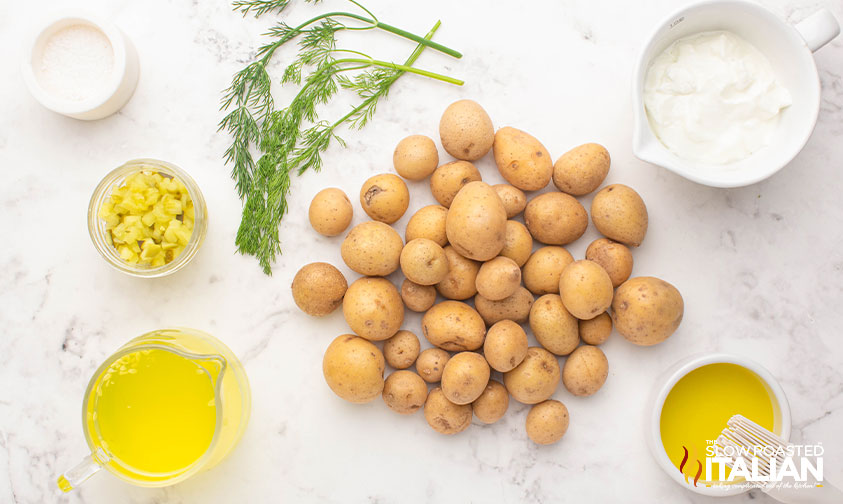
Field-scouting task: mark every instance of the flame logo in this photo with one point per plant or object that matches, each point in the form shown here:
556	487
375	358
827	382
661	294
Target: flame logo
685	461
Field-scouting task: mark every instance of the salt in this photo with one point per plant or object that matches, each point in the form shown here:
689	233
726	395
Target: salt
76	63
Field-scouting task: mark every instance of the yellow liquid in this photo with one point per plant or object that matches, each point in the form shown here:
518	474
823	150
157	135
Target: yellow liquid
699	405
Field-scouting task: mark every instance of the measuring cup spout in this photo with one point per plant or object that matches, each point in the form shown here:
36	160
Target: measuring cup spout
80	473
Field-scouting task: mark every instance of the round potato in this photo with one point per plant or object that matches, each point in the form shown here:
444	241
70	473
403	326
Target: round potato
518	244
476	222
372	248
385	197
401	350
514	200
318	288
454	326
330	212
415	157
505	346
466	130
615	258
498	278
542	270
586	289
585	371
404	392
460	282
418	298
647	310
547	422
449	178
465	377
373	309
554	328
582	169
522	159
619	213
492	403
353	368
555	218
516	307
428	222
431	363
597	330
535	379
444	416
424	262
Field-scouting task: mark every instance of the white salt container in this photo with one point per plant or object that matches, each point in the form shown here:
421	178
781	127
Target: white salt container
81	66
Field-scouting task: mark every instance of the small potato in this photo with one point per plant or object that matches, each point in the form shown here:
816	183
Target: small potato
476	222
535	379
582	169
428	222
466	130
542	270
554	328
586	289
444	416
585	371
555	218
547	422
353	368
330	212
449	178
505	346
465	377
373	309
615	258
514	200
647	310
522	159
518	243
460	281
424	262
492	403
619	213
372	248
415	157
404	392
498	278
385	197
401	350
597	330
516	307
431	363
418	298
454	326
318	288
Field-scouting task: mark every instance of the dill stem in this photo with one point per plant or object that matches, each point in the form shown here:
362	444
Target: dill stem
403	68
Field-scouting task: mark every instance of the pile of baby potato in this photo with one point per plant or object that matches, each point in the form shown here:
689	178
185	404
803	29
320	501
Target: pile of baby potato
469	248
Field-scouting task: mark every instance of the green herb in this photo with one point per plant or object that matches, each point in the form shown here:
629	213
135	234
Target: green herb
292	139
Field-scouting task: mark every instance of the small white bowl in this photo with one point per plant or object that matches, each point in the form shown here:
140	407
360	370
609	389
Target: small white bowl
666	382
121	82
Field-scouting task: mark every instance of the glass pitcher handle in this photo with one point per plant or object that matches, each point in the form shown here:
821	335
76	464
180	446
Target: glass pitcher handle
79	473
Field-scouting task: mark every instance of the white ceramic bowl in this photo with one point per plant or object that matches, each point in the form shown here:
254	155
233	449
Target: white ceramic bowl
789	49
666	382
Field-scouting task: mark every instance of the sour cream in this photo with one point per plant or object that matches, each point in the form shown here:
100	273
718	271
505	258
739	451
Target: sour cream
712	97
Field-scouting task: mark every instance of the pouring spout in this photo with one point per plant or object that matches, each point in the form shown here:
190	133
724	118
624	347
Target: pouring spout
80	473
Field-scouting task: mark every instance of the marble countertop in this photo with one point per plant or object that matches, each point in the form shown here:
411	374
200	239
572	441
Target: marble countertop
760	268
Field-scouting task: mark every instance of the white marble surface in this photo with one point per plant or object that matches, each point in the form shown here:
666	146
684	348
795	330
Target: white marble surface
760	268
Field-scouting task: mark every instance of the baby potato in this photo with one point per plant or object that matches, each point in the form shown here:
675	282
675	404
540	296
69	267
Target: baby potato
454	326
492	403
555	218
385	197
424	262
547	422
415	157
516	307
498	278
554	328
418	298
404	392
522	159
647	310
466	130
585	371
330	212
372	248
586	289
428	222
444	416
518	244
535	379
505	346
373	309
619	213
318	288
460	281
476	222
597	330
542	270
465	377
582	169
353	368
449	178
514	200
615	258
401	350
431	363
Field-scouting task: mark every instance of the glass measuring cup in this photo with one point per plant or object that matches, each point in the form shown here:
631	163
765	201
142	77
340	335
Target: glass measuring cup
192	403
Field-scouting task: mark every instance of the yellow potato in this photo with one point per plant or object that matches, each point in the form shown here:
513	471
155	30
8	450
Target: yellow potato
585	371
554	328
431	363
444	416
450	178
614	257
353	368
492	403
518	244
415	157
466	130
424	262
401	350
586	289
542	270
459	283
547	422
465	377
373	309
514	200
522	159
428	222
404	392
385	197
330	212
505	346
582	169
555	218
498	278
647	310
318	288
476	222
597	330
620	214
418	298
454	326
535	379
516	307
372	248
